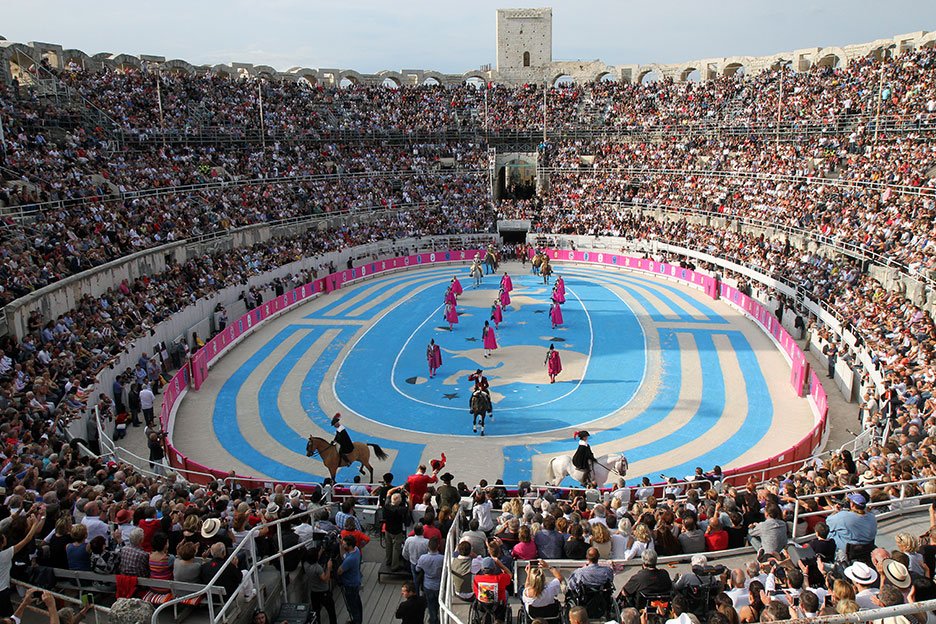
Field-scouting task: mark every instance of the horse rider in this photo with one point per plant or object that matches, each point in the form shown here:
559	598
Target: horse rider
343	440
481	385
584	458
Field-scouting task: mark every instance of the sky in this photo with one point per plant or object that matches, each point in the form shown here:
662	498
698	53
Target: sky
374	35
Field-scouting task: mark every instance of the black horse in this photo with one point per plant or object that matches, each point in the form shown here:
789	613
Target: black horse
480	405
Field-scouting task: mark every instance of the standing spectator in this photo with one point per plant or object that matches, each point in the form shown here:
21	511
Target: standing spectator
93	523
133	403
321	592
156	452
430	566
482	512
396	517
415	547
147	401
549	542
413	608
349	577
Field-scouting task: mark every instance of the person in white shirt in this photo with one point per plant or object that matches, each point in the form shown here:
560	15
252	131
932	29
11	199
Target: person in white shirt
738	592
481	511
864	578
645	490
622	493
414	547
147	400
92	520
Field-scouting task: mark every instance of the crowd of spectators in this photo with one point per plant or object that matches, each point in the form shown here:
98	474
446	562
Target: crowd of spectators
873	194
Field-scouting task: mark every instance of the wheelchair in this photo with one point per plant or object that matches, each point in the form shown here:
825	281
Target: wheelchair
489	613
599	602
552	614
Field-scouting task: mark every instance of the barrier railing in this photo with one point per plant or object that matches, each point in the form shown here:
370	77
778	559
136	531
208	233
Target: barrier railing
900	502
246	546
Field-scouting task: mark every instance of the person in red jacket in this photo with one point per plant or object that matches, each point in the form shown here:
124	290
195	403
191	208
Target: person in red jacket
418	483
716	538
351	529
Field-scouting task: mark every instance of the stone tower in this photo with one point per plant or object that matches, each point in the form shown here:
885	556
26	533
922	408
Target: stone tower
524	39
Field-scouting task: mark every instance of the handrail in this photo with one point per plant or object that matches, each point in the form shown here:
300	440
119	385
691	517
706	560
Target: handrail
246	544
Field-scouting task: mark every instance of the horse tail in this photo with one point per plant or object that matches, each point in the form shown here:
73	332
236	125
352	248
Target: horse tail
550	474
379	452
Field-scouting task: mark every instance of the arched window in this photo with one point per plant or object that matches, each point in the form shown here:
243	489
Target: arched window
526	59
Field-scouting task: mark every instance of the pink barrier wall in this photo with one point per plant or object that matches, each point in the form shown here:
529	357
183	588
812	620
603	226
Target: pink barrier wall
803	449
196	371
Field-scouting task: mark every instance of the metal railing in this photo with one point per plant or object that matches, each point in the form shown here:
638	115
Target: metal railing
248	546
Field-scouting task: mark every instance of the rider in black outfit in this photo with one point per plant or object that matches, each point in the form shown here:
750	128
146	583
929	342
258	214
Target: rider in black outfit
583	458
343	440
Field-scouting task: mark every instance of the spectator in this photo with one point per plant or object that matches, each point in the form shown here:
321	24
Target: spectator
430	566
134	561
413	608
649	580
769	536
79	555
230	578
592	575
852	526
396	516
415	546
320	575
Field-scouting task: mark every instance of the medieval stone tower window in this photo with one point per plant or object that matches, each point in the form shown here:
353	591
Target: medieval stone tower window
526	59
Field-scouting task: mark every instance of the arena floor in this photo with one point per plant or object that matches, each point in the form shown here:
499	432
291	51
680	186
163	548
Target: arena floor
653	369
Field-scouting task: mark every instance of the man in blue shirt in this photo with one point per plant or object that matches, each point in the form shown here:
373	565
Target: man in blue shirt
852	526
349	577
592	576
430	565
549	542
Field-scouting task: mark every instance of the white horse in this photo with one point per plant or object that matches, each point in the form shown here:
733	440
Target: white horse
560	467
476	272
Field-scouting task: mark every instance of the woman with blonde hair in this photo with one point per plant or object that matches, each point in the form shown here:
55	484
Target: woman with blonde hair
639	541
601	540
541	599
908	544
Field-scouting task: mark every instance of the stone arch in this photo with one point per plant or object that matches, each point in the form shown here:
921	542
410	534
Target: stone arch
434	75
561	79
777	62
225	71
123	62
265	71
605	76
833	57
926	41
103	56
178	66
474	78
17	60
78	57
353	78
388	76
305	75
687	71
878	52
734	68
649	73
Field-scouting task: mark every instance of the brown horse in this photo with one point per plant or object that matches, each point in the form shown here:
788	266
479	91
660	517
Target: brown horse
332	460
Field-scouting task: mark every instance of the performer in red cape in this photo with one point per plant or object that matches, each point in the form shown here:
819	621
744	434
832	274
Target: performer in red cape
497	313
456	286
490	340
560	284
553	363
555	315
557	295
506	283
451	314
450	296
504	297
433	357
